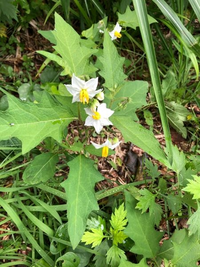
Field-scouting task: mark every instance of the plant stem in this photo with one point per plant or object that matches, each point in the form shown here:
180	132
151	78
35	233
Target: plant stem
141	11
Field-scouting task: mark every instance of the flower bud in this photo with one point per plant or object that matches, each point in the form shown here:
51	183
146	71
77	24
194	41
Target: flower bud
94	105
100	96
115	140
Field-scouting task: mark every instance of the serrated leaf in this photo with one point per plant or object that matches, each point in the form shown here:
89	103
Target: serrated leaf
124	263
100	257
81	200
112	64
32	123
187	252
41	169
74	57
117	236
194	223
139	136
118	218
95	237
174	203
193	187
141	230
152	169
178	160
129	19
177	115
132	95
147	201
8	11
114	255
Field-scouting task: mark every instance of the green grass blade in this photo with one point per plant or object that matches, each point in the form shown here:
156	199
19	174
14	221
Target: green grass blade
34	219
196	7
46	207
24	231
140	8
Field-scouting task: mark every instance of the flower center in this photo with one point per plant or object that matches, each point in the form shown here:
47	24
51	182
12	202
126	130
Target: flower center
96	115
117	34
105	150
84	97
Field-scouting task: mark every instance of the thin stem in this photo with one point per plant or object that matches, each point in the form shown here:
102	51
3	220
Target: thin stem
141	11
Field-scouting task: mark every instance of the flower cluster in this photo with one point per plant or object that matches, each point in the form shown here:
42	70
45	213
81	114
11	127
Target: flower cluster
98	114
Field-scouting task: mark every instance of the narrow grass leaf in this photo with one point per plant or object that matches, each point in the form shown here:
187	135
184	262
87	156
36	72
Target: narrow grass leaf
25	232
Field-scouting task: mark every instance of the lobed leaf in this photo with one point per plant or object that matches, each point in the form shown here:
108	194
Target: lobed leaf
73	56
141	230
81	200
32	123
112	64
118	218
193	187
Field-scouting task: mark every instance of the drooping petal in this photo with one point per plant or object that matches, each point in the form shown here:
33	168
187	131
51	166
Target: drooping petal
97	146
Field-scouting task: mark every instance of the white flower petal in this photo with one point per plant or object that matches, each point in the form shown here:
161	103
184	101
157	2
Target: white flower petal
73	90
97	146
89	121
98	126
91	85
105	122
76	98
77	82
115	145
89	111
117	27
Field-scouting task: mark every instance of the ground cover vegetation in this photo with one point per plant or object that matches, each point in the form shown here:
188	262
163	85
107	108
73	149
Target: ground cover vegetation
99	133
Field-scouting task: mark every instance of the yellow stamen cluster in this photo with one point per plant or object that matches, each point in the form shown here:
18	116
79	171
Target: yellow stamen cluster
84	97
117	34
105	150
96	115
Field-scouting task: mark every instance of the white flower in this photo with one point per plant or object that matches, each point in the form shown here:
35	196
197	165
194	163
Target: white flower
105	147
98	118
82	91
116	32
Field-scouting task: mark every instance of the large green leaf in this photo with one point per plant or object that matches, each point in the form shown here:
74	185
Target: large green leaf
129	19
139	136
141	230
41	169
32	123
80	193
74	57
112	64
131	96
186	251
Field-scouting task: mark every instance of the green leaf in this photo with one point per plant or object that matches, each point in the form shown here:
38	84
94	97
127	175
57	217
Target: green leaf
69	259
152	169
32	123
112	64
95	238
124	263
117	236
179	161
147	201
139	136
74	57
194	223
81	199
8	11
177	115
114	255
132	95
193	187
129	19
118	218
186	252
141	230
174	203
41	169
100	257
